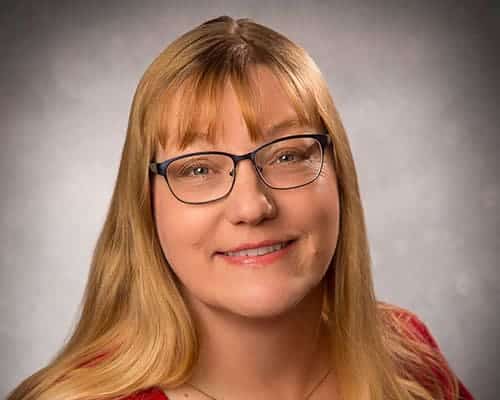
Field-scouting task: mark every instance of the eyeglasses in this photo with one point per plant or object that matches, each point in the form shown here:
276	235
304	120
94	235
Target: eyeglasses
286	163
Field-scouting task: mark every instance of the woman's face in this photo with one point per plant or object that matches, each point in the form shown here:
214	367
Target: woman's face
192	236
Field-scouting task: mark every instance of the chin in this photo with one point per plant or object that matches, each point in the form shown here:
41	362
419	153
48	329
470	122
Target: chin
262	307
256	314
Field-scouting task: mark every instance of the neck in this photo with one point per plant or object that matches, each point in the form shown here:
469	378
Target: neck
266	358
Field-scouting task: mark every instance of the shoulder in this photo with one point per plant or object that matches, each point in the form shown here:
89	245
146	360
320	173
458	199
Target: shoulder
412	328
407	323
147	394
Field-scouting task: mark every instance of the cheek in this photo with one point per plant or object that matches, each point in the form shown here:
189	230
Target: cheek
319	202
329	214
324	225
180	226
320	216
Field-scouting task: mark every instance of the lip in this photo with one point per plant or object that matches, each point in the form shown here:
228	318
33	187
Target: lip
265	259
249	246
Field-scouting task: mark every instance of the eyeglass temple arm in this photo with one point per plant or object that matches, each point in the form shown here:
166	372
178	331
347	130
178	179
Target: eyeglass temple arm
153	167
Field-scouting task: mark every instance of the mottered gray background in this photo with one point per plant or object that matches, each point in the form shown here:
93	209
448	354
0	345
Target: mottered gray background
417	86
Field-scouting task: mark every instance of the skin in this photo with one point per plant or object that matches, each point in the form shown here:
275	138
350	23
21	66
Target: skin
261	334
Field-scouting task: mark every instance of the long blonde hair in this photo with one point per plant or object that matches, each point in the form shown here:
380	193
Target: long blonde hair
135	330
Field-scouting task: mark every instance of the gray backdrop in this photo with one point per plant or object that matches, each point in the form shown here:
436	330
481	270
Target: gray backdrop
417	86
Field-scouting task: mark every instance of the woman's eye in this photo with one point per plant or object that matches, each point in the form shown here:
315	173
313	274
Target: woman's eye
196	170
288	157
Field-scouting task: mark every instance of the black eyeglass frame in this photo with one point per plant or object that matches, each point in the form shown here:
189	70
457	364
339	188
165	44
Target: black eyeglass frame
161	168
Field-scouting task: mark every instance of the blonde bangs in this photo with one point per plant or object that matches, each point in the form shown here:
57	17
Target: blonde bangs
201	93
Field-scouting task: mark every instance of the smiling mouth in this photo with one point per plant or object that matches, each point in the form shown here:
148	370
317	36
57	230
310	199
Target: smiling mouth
260	251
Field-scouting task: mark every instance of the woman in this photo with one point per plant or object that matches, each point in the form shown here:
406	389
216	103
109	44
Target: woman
234	263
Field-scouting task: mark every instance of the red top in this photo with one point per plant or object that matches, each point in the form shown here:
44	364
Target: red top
464	393
157	394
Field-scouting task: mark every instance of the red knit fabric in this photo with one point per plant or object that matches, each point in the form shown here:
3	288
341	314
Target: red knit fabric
464	394
149	394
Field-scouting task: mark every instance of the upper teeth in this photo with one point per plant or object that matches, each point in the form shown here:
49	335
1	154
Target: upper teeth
256	252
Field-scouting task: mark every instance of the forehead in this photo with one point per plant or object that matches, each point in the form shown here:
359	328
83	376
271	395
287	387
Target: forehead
206	114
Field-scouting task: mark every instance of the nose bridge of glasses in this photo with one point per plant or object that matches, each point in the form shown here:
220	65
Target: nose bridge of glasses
249	156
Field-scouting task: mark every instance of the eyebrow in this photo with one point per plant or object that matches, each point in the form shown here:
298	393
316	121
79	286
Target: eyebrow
275	128
270	131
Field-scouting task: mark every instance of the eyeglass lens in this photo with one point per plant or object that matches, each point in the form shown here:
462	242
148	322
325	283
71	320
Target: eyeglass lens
282	165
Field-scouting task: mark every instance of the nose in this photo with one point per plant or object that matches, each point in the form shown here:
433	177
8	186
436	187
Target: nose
250	200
